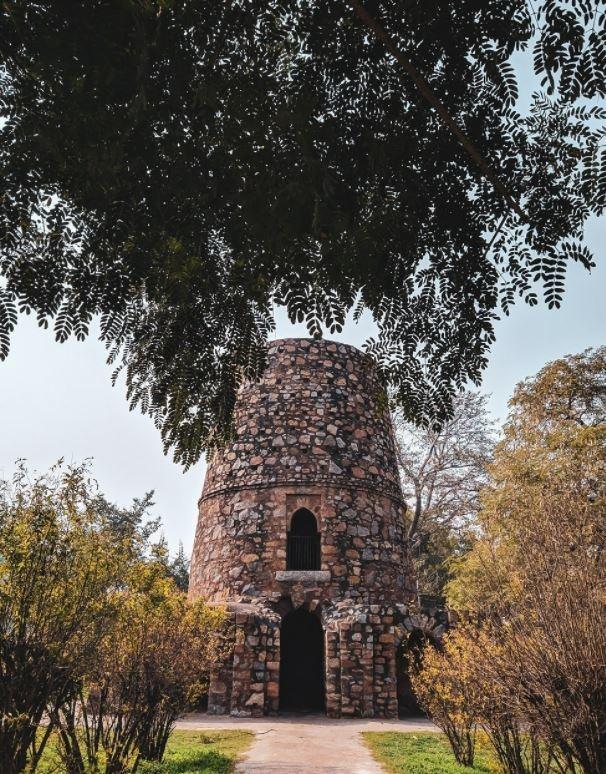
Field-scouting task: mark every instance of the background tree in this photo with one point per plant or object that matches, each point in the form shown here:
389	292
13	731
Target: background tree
132	525
551	437
179	569
179	168
538	569
442	472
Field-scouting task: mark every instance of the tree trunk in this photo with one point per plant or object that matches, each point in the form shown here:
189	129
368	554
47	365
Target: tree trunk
14	747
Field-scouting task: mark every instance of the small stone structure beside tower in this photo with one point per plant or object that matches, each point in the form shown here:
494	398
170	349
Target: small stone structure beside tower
301	537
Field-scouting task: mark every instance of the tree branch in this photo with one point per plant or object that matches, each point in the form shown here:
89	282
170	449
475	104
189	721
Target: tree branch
417	515
430	96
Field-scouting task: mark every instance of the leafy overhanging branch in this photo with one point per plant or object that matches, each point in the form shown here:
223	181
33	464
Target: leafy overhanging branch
429	95
179	168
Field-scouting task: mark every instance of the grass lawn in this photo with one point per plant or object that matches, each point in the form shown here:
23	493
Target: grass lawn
201	752
423	753
188	752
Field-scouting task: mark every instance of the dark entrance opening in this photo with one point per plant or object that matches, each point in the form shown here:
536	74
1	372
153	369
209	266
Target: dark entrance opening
409	653
301	662
303	546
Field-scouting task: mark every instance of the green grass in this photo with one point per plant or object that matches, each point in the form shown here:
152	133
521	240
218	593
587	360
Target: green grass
201	752
188	752
423	753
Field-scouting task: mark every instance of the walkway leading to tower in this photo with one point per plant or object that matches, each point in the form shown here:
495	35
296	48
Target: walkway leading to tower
309	744
300	747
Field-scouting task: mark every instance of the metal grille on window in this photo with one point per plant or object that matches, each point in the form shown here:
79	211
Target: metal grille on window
303	542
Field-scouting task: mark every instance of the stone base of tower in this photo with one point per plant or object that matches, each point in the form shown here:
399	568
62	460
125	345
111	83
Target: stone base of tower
245	681
361	644
358	646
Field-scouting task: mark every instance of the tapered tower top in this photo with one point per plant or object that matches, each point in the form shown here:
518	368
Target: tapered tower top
317	415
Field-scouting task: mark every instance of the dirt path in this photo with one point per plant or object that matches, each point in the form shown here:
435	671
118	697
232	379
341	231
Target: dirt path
306	744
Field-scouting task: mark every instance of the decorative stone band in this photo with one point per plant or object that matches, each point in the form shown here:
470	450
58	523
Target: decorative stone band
303	576
388	491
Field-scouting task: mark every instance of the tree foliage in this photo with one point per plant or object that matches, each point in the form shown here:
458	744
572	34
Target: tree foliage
58	562
552	454
179	168
538	569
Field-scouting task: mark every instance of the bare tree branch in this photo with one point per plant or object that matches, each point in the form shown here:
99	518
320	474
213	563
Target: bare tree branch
441	476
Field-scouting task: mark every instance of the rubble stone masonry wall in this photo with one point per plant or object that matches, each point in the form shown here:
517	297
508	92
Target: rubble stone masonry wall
313	433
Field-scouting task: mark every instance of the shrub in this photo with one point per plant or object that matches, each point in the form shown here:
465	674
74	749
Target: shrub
149	670
94	634
465	688
447	691
500	712
58	563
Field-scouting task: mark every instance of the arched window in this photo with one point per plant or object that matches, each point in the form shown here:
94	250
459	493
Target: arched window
303	545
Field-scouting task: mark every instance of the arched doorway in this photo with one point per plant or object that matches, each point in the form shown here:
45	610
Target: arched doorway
301	662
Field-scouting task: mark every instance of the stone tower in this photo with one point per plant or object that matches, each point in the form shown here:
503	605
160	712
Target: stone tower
301	536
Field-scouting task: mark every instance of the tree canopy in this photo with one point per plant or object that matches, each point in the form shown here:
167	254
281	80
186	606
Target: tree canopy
179	168
544	506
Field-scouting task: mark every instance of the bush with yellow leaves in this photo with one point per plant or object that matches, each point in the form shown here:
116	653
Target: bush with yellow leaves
151	667
447	691
466	687
95	638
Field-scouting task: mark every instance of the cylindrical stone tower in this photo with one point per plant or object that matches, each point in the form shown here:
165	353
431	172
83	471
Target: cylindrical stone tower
301	535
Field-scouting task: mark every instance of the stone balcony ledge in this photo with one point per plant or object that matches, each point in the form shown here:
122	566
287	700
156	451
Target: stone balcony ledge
298	576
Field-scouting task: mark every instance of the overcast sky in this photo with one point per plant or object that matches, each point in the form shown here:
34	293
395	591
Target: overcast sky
56	400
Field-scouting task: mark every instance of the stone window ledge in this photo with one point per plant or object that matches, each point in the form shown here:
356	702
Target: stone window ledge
302	575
